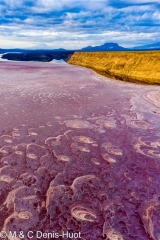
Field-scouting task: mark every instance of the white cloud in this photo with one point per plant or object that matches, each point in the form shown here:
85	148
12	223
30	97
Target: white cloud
14	3
141	1
75	23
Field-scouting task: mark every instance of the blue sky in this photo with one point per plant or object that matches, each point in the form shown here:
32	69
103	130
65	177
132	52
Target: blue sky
73	24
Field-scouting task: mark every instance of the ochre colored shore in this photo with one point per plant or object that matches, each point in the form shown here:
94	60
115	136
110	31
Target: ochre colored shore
140	67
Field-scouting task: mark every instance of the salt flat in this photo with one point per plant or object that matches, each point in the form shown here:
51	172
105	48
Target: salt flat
79	153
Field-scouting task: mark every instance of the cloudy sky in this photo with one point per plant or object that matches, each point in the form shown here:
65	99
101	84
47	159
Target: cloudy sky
73	24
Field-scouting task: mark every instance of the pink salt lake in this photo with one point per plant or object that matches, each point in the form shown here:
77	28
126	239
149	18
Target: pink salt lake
78	152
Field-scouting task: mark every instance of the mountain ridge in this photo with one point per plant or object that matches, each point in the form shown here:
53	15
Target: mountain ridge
149	46
108	46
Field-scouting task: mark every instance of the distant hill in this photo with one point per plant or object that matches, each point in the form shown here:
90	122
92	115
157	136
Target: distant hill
18	50
12	50
153	46
60	50
105	47
44	47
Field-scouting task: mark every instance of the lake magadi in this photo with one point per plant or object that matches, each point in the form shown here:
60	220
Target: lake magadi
79	154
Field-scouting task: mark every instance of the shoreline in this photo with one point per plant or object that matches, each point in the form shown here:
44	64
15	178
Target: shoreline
141	67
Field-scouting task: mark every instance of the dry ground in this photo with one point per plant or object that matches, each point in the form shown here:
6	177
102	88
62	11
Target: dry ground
141	67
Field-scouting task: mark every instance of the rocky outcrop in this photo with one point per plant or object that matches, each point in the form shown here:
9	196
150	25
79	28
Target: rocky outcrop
141	67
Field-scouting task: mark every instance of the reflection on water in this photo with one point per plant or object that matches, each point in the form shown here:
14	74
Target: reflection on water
61	61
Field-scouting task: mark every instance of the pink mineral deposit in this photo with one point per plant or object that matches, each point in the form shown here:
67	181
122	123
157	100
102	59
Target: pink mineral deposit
78	152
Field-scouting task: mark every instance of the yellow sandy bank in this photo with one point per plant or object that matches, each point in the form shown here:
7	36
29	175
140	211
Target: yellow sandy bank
142	67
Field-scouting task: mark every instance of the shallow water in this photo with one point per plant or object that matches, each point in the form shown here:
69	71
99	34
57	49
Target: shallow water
61	61
79	153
